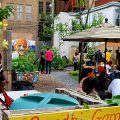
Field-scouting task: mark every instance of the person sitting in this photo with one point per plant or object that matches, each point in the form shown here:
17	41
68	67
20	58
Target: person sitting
88	87
102	83
114	87
86	73
5	100
109	70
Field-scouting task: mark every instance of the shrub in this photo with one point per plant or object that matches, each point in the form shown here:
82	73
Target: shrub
75	73
25	63
58	62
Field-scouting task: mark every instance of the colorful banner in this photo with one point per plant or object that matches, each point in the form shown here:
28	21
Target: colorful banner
108	113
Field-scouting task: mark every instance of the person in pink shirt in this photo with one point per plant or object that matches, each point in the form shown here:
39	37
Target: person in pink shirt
49	58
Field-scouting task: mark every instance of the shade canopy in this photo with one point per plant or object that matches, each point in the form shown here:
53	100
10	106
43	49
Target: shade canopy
99	34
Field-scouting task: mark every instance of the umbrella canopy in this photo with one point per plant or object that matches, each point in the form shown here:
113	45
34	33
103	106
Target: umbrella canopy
111	34
99	34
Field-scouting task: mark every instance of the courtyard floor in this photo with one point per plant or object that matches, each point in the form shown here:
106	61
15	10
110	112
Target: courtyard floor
57	79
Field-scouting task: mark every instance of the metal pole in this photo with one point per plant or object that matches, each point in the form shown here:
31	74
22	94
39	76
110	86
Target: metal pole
105	57
81	58
52	15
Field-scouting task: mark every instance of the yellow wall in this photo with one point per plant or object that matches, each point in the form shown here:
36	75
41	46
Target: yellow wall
108	113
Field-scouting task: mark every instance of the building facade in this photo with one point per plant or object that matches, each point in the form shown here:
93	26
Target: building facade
103	10
45	6
24	21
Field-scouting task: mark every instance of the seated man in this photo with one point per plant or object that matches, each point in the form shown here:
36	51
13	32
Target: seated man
109	70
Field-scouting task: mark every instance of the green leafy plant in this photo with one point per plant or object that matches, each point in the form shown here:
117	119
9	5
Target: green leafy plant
114	101
6	12
86	106
98	20
58	62
74	72
25	63
91	52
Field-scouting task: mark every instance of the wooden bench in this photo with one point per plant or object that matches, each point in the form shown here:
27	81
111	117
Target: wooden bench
81	97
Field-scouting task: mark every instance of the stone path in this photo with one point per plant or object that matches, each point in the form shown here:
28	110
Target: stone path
64	77
48	83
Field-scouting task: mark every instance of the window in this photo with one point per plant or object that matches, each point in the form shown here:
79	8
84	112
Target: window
47	7
19	11
28	11
11	15
118	20
40	7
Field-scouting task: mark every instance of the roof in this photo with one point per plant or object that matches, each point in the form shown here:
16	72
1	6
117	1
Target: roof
98	8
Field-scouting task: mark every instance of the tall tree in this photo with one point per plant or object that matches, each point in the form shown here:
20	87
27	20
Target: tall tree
87	4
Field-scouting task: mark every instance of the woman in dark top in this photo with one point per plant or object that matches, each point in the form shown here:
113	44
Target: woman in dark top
42	62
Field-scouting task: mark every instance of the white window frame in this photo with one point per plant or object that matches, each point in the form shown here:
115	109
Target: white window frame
19	11
28	12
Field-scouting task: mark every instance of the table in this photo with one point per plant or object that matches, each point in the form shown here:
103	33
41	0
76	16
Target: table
17	94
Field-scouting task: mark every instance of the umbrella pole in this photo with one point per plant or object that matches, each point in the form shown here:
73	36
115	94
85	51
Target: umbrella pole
81	58
105	57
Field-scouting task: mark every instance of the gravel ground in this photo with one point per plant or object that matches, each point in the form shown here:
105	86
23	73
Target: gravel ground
48	83
64	77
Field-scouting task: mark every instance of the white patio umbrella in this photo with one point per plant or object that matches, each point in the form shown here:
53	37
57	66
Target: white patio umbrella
99	34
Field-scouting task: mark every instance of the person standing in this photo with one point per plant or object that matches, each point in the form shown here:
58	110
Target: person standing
75	60
98	57
49	58
108	55
42	62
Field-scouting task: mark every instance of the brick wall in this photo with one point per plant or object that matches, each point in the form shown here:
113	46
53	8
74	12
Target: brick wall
101	2
23	26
